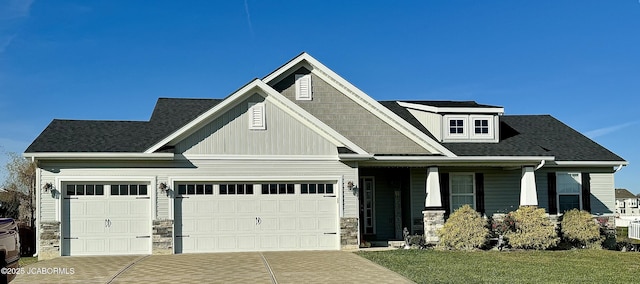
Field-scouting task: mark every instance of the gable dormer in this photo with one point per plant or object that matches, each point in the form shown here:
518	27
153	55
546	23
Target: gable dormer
457	121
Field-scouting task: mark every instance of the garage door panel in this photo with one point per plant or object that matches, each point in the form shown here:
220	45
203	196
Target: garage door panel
287	206
308	241
246	225
327	224
268	206
206	243
287	223
227	224
308	206
89	227
247	242
229	206
227	242
246	206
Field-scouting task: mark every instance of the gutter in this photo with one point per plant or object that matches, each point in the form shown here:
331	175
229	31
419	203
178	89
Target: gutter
99	156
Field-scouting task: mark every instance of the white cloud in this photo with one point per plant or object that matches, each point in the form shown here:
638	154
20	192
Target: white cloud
606	130
13	9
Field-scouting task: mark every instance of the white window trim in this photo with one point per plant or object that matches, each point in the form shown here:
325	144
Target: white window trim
558	194
306	79
490	124
451	194
465	126
257	116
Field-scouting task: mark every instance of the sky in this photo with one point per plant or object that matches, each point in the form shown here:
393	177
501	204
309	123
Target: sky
578	60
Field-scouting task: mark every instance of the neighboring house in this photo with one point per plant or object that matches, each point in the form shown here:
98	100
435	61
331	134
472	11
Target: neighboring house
627	208
301	160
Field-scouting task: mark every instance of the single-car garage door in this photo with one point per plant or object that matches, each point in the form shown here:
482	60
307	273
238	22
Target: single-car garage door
223	217
106	219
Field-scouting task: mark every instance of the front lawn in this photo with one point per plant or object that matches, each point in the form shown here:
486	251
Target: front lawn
573	266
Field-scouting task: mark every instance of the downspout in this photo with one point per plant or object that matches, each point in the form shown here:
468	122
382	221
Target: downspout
619	168
540	165
38	197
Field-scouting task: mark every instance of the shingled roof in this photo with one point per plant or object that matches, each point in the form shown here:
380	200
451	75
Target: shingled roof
120	136
461	104
523	135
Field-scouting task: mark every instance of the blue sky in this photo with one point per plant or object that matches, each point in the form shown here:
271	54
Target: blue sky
576	60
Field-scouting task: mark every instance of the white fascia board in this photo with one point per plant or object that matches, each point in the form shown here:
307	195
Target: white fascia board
523	159
258	157
100	156
467	110
364	100
592	163
355	157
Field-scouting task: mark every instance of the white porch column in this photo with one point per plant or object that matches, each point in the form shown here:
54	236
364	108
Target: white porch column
433	188
528	195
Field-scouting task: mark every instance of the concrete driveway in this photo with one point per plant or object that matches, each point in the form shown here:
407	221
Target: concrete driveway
255	267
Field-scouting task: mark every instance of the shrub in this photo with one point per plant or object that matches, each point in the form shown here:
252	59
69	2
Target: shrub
464	230
534	230
416	241
579	228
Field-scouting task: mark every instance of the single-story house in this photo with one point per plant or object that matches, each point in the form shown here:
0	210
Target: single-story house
301	160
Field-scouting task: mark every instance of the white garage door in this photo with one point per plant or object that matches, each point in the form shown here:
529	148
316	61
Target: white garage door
256	217
106	219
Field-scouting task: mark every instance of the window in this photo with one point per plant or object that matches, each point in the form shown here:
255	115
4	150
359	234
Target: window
257	116
481	126
85	189
462	188
456	126
128	189
195	189
304	91
278	188
229	189
569	187
313	188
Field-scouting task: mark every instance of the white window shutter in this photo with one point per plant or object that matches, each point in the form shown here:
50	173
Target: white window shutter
303	87
257	116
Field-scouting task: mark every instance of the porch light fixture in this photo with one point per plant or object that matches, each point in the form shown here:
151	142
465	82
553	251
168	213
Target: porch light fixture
47	187
163	187
351	186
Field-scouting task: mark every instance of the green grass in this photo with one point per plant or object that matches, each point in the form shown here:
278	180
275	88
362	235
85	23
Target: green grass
24	261
573	266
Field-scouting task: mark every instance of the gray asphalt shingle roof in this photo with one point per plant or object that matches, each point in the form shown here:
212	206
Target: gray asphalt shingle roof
120	136
465	104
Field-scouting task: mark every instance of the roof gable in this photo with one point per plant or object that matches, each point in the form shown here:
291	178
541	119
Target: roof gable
255	87
358	97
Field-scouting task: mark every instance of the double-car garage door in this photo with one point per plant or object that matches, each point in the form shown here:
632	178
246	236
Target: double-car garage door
112	218
224	217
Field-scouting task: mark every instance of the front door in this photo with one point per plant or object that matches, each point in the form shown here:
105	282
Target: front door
367	210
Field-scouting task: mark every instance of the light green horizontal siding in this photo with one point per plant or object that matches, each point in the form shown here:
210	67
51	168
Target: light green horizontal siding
229	134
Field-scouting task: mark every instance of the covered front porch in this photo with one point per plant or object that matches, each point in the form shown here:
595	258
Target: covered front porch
420	197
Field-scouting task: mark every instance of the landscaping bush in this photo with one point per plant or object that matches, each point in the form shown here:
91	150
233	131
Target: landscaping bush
579	229
534	230
464	230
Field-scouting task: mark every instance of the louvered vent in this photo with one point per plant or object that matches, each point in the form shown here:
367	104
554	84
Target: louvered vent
304	91
257	116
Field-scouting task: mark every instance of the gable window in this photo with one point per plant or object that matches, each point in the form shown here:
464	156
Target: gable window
462	188
257	116
569	188
304	91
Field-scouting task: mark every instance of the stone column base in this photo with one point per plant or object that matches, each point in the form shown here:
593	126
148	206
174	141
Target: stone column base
433	220
49	240
162	237
349	233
